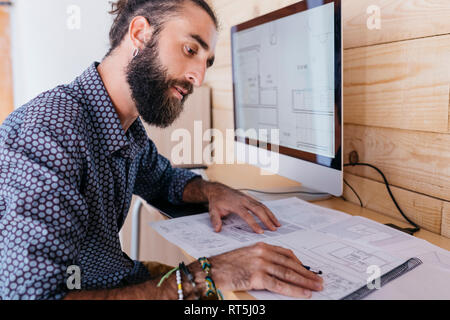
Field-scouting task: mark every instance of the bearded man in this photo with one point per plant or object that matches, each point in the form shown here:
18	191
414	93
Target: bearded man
72	158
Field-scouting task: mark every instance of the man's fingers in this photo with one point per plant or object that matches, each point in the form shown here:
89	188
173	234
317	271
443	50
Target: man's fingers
283	261
270	215
287	258
255	205
286	252
292	276
216	220
244	214
277	286
263	215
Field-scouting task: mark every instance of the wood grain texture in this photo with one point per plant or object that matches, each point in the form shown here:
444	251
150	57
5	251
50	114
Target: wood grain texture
245	176
445	229
402	85
400	20
417	161
6	81
423	210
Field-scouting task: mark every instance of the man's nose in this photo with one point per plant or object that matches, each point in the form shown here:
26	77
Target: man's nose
196	77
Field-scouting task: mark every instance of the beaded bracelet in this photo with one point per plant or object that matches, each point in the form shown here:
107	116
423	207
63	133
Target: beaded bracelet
187	273
179	285
211	290
190	277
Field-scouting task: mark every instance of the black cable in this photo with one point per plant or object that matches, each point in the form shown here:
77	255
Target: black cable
360	201
416	227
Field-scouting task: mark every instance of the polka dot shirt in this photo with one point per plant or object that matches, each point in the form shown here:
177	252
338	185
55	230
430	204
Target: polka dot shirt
67	174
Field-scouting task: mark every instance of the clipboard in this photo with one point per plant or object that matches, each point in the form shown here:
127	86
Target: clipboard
364	291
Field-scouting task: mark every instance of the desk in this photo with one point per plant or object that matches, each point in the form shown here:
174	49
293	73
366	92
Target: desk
246	176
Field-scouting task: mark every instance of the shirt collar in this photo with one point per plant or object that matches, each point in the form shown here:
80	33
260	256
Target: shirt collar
107	126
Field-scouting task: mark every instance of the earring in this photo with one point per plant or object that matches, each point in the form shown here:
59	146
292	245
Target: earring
135	52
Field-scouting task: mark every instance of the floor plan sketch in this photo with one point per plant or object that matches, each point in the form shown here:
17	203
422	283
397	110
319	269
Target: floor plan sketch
343	265
201	239
237	229
319	101
305	214
273	34
350	257
367	232
336	284
249	71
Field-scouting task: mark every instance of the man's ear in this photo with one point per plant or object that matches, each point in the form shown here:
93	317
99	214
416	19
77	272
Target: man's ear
140	32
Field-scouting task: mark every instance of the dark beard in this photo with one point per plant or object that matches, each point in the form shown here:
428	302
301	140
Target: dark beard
150	84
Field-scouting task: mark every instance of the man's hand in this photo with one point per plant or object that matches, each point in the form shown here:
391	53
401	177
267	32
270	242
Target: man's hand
263	266
258	267
224	201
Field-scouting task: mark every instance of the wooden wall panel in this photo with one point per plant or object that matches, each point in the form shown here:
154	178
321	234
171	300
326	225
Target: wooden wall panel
400	20
402	85
6	84
446	220
423	210
417	161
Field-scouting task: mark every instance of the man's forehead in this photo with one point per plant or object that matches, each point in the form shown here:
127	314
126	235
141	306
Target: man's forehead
195	23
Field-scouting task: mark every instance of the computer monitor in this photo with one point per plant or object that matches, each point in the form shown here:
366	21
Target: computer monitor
287	81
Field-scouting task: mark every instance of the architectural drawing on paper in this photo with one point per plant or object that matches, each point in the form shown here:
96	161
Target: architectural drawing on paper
350	257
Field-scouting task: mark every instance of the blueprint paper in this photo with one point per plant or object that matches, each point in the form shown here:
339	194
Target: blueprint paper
340	245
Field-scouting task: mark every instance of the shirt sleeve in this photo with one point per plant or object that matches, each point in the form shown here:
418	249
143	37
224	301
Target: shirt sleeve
43	216
157	179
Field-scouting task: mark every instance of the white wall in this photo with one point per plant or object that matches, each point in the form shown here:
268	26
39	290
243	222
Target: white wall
53	41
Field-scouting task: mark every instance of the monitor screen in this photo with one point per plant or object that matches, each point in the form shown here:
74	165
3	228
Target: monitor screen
287	76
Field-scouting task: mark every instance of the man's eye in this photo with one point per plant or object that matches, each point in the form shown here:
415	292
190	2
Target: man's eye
190	51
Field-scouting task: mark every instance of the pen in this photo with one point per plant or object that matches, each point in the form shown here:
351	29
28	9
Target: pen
312	269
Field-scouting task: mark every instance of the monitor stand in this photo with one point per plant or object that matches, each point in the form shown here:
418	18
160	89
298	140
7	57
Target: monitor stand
300	192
